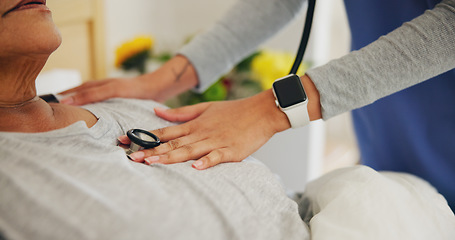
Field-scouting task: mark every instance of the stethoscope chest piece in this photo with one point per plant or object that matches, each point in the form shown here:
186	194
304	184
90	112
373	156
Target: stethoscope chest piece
140	140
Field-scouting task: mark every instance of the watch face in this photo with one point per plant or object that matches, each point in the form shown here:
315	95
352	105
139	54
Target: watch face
289	91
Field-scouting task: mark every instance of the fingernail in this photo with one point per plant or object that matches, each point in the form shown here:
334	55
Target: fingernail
160	109
152	159
68	100
197	164
123	139
137	156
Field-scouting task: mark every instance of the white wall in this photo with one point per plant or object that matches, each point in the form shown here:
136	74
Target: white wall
171	22
290	154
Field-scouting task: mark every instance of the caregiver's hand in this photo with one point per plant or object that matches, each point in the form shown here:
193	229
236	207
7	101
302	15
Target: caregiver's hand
216	131
174	77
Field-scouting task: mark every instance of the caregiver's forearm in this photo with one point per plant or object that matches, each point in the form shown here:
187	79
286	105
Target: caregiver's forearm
243	28
416	51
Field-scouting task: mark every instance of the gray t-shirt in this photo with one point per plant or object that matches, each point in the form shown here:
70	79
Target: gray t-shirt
75	183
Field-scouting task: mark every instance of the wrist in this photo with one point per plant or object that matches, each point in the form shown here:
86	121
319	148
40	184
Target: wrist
274	117
297	99
277	118
314	104
174	77
181	71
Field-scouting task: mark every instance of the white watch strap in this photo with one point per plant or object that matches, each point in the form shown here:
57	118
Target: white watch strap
298	115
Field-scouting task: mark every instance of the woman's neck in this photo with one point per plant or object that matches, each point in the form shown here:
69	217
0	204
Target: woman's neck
19	104
39	116
21	110
17	78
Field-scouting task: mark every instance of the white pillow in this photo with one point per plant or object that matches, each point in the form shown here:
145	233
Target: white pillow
360	203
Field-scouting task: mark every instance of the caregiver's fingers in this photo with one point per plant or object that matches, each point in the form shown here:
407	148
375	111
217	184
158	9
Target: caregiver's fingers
173	132
97	91
182	114
194	150
213	158
171	138
91	95
172	145
124	139
83	86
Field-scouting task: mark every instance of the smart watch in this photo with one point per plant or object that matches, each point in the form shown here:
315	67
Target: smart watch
292	99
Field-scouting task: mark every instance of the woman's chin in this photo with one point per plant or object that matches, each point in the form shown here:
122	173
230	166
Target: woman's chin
46	40
54	41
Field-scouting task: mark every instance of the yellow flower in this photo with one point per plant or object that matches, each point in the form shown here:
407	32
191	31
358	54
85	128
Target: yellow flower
270	65
132	48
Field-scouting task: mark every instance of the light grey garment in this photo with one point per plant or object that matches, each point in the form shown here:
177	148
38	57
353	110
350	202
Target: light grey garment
75	183
414	52
245	26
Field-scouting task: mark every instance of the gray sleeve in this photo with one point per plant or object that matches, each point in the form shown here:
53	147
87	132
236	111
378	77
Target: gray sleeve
416	51
244	27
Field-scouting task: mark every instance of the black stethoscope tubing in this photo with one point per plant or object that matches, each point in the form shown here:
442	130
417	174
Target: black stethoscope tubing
305	36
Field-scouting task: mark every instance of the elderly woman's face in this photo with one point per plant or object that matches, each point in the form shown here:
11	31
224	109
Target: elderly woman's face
26	28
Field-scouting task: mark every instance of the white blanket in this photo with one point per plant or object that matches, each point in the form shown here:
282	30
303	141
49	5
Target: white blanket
360	203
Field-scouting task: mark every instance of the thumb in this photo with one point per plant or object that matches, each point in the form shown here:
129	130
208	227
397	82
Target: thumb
182	114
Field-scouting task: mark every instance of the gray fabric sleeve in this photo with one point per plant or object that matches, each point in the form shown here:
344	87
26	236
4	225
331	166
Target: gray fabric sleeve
245	26
416	51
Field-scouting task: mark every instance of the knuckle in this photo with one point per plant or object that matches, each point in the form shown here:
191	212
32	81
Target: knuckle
171	157
81	96
215	157
207	160
149	152
160	132
187	129
220	155
188	149
173	144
